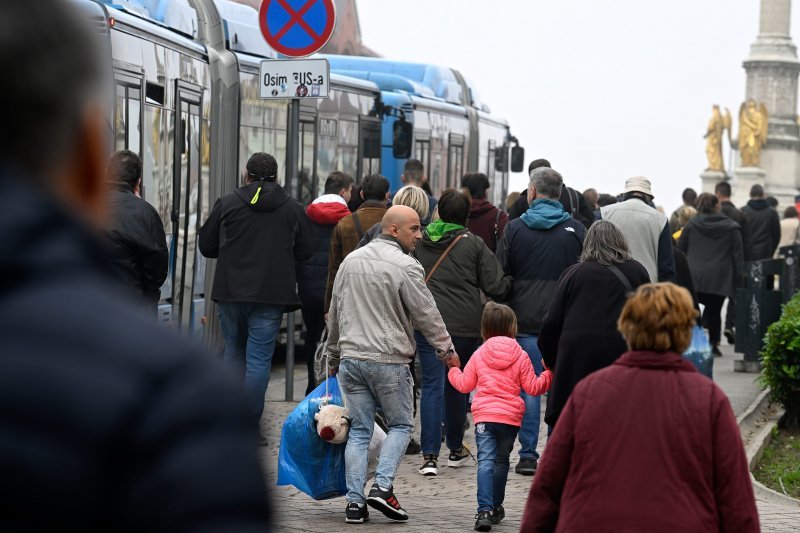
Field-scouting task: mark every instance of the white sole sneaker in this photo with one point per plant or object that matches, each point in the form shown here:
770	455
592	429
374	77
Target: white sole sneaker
428	470
456	464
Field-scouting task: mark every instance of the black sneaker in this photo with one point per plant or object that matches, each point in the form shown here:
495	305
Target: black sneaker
526	466
413	447
356	514
497	515
386	502
459	457
715	350
483	521
429	467
730	336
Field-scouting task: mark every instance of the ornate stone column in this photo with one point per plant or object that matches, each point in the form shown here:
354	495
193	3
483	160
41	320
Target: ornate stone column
772	72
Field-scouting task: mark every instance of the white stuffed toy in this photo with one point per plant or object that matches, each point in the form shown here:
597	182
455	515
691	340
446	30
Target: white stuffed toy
333	423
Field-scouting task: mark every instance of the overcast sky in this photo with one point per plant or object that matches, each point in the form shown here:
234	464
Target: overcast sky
604	89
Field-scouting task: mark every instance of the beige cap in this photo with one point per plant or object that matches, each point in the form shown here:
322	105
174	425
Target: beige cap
638	184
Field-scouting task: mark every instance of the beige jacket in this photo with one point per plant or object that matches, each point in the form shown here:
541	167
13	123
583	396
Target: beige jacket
379	299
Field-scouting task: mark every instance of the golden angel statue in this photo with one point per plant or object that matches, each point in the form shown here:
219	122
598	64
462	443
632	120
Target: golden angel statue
716	129
753	122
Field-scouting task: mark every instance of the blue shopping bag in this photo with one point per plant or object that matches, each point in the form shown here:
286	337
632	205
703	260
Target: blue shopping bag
699	352
305	461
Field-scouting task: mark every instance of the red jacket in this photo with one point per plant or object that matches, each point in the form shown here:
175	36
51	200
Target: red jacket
487	222
499	369
647	444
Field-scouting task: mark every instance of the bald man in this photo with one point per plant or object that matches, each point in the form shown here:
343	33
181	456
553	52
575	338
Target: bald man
379	298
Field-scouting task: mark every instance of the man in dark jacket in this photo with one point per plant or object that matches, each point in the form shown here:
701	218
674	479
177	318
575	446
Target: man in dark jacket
256	233
535	249
136	241
573	201
485	220
107	420
723	192
414	174
353	227
324	213
764	225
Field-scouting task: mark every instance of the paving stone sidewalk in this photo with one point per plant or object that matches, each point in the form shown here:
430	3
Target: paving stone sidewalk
447	502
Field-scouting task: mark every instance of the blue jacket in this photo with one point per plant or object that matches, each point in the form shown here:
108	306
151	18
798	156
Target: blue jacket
536	256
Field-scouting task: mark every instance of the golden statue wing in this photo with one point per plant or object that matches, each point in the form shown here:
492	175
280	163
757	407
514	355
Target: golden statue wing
764	123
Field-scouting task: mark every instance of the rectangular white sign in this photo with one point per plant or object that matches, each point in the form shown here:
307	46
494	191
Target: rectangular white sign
295	78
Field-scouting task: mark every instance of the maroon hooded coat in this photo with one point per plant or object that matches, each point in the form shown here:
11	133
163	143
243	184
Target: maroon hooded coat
647	444
487	222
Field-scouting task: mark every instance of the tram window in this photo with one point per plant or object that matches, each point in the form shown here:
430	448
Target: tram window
154	94
119	119
134	120
490	167
128	118
422	151
455	161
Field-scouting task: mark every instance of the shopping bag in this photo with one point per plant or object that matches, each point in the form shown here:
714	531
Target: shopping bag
306	461
320	371
699	352
374	452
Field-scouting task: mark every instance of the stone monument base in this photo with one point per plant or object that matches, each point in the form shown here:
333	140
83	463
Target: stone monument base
746	177
710	178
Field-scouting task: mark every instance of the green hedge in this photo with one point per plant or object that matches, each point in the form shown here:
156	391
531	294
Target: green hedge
781	362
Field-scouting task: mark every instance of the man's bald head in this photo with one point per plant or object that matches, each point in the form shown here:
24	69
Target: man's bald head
402	223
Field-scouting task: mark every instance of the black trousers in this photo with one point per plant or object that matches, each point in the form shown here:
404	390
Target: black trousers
712	318
314	319
730	316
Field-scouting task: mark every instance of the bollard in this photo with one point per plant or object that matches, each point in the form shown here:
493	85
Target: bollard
290	357
790	281
757	306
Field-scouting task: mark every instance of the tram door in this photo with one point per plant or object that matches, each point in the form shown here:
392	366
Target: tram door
308	181
186	208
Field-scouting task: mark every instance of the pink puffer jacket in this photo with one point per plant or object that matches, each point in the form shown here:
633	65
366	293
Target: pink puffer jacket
500	368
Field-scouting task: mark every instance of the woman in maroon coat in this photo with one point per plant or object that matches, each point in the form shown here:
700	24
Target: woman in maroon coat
647	444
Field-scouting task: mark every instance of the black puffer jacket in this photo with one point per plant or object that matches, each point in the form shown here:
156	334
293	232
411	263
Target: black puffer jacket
136	244
765	228
108	421
468	269
535	258
257	246
713	246
730	211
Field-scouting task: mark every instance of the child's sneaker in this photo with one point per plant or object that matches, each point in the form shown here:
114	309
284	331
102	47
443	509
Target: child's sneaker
497	515
429	467
386	502
483	521
356	514
459	457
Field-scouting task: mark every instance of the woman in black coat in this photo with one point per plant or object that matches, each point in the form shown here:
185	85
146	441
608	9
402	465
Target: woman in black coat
579	334
713	245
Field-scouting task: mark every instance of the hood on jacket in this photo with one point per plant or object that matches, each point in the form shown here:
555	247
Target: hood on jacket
270	197
713	226
500	353
443	241
758	204
480	206
544	214
327	210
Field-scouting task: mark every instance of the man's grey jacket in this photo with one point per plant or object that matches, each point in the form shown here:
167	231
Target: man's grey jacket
379	299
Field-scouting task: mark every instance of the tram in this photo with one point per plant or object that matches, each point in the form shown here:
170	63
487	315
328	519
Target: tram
186	99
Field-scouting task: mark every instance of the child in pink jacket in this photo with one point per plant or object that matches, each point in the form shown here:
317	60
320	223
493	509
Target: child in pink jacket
499	369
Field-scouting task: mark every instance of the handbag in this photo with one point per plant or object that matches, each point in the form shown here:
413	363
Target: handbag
699	352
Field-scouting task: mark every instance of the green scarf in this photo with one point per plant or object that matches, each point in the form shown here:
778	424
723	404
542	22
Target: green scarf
437	229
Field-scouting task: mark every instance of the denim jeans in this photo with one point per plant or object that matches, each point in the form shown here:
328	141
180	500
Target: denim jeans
440	401
366	384
529	432
250	331
495	441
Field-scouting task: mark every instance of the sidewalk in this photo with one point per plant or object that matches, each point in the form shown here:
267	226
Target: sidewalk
447	502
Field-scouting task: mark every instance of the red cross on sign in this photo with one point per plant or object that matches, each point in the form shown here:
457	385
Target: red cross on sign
297	28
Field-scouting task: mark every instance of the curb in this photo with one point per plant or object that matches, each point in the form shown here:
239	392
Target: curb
756	424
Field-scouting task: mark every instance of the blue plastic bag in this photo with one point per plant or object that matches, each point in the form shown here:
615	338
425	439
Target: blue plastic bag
699	353
311	464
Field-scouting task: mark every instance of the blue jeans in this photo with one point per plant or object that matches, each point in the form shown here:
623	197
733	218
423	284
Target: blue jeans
250	331
440	401
366	384
495	441
529	432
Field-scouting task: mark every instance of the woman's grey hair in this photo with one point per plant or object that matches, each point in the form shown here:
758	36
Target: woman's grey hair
547	181
415	198
605	244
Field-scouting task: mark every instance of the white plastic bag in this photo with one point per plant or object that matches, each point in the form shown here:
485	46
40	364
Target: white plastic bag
378	436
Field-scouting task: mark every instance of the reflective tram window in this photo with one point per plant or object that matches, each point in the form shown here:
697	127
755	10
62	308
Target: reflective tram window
128	118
